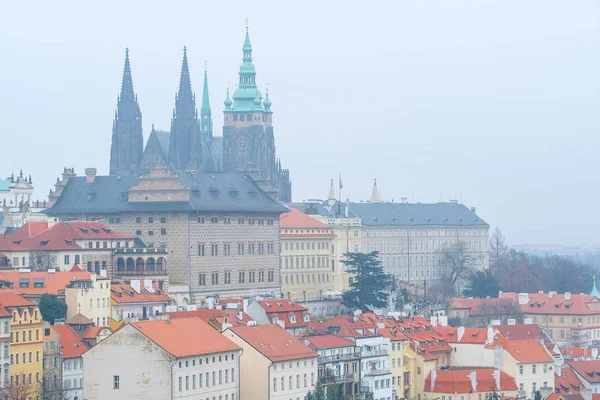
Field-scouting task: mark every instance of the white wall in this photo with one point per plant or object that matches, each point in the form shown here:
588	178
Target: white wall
72	371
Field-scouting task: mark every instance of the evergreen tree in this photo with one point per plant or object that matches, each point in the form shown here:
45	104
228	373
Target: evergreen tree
368	288
318	393
52	308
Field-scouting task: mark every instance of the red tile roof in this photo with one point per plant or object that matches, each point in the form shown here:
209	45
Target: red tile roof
588	369
276	306
297	219
59	236
93	331
53	282
327	342
274	342
470	335
544	303
215	318
525	351
183	337
124	293
458	381
394	334
486	306
10	299
567	382
79	319
70	344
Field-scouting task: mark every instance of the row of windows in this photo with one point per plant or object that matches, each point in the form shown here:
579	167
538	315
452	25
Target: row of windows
309	246
533	369
311	262
192	382
240	220
252	277
299	380
224	249
26	336
163	232
318	278
311	231
382	383
72	384
206	360
426	232
24	360
15	379
401	246
150	220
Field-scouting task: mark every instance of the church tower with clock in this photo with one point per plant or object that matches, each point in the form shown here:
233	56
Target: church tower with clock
248	139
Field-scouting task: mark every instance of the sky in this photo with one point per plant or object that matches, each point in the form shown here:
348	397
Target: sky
492	103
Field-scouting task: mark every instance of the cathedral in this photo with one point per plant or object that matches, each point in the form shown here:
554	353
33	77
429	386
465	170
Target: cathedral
247	145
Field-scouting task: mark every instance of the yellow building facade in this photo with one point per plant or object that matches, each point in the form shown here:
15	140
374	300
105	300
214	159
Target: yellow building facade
306	257
27	346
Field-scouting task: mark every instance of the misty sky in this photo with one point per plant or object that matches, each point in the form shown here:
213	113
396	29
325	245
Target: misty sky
492	102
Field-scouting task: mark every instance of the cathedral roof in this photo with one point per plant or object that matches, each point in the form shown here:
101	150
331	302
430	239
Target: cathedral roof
164	140
228	192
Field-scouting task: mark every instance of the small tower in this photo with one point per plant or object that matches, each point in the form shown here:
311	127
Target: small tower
375	195
206	127
331	197
594	291
127	139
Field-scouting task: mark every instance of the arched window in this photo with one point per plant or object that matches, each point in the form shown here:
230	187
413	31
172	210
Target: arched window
130	264
150	264
139	264
161	264
120	264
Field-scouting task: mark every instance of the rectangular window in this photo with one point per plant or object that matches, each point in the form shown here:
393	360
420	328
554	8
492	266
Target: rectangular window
242	277
67	260
202	279
180	383
227	249
215	278
241	220
163	231
274	384
201	250
150	233
271	276
163	220
214	220
227	277
226	220
150	220
200	220
241	249
214	250
138	220
115	381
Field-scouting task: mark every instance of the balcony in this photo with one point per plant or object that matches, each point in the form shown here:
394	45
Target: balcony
374	372
374	353
140	250
338	357
329	379
141	273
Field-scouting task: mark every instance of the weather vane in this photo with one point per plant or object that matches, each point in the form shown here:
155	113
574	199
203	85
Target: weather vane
246	22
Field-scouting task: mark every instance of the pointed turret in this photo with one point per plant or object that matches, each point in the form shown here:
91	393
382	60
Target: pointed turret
375	196
127	138
267	103
331	192
247	97
206	129
594	291
185	151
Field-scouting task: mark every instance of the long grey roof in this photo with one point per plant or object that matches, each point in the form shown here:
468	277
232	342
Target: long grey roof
416	214
208	192
398	214
164	138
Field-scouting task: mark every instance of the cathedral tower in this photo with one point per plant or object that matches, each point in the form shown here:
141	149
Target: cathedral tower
185	150
248	139
127	139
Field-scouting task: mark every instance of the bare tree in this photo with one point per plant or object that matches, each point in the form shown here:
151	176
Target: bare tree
21	390
458	261
498	248
40	261
494	308
441	290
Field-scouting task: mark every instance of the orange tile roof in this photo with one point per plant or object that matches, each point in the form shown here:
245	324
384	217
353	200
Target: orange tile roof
183	337
60	236
567	382
458	381
11	299
470	335
525	351
274	342
486	306
543	303
297	219
327	342
53	282
79	319
588	369
393	334
215	318
70	344
124	293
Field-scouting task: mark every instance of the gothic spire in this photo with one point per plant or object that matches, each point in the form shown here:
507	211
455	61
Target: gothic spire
375	195
185	84
127	82
205	113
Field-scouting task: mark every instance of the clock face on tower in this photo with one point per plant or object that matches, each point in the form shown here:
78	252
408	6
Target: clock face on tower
242	144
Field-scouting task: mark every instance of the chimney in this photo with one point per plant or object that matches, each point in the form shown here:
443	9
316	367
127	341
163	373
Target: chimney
567	295
433	320
594	352
238	315
497	378
52	221
490	334
558	370
460	332
245	305
443	320
500	294
433	377
135	285
551	294
498	356
523	298
473	209
473	378
90	175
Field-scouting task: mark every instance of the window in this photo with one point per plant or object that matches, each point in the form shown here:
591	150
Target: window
138	232
138	220
215	278
214	220
201	250
533	368
227	277
242	277
241	220
282	383
180	383
305	380
520	370
200	220
150	220
297	381
201	279
251	276
290	386
227	249
163	231
116	381
214	250
163	220
274	384
150	233
241	249
271	276
67	260
226	220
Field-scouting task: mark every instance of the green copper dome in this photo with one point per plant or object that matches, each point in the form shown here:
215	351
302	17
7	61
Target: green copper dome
228	101
245	95
267	103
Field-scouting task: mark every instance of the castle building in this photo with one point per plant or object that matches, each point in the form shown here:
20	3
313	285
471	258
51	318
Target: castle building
221	230
247	145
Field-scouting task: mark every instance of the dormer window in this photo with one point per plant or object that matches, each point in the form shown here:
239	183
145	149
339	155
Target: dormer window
293	319
306	318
